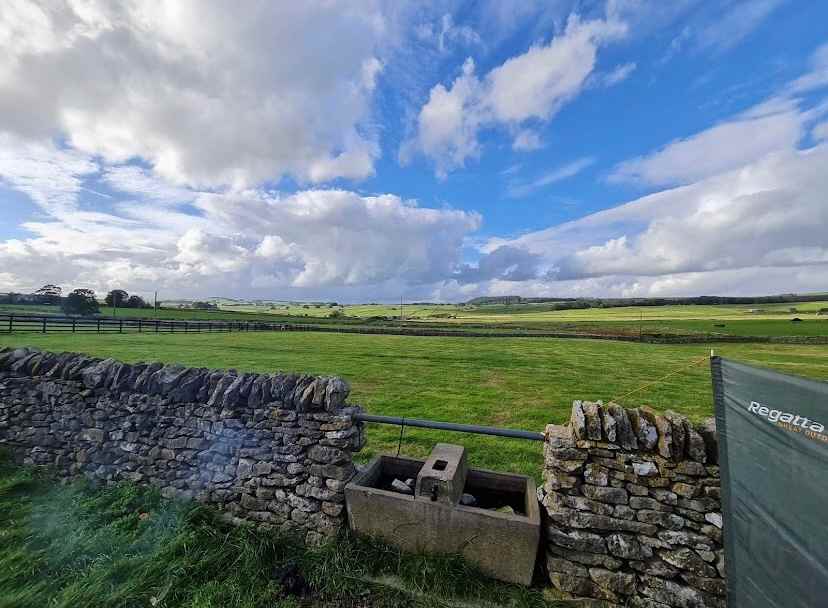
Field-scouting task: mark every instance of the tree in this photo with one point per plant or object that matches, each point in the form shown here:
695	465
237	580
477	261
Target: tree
49	294
116	297
135	302
80	302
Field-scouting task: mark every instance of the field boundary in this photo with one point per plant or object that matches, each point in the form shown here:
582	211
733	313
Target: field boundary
24	323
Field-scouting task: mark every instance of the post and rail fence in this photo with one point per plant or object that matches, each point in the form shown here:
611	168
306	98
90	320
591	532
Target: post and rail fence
10	323
28	323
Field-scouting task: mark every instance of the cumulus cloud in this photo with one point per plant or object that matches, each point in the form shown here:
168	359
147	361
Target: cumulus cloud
505	263
532	86
204	93
238	241
767	214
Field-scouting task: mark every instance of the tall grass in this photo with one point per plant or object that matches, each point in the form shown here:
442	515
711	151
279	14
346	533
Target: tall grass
67	546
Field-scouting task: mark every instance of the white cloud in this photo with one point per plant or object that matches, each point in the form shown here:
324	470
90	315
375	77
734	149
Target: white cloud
519	189
735	23
618	74
527	140
235	242
445	34
820	131
206	94
720	148
531	86
770	213
449	122
52	177
131	179
817	77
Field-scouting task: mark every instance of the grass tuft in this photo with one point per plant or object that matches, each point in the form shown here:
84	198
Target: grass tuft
69	545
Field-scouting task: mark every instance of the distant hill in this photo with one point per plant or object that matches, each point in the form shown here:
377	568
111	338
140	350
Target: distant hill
570	303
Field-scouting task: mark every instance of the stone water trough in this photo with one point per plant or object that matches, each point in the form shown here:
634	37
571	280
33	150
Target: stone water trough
497	529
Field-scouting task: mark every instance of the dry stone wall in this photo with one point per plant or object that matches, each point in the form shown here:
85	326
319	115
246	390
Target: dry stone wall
632	506
272	449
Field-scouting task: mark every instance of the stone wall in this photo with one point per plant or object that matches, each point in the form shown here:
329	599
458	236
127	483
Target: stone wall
632	508
274	449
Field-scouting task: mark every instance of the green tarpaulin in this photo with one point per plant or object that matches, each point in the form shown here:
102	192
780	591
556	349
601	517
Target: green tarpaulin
773	455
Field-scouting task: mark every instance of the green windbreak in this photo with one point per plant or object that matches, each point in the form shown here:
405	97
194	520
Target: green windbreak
773	454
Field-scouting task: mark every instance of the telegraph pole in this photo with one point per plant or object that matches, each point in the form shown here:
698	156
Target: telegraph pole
156	304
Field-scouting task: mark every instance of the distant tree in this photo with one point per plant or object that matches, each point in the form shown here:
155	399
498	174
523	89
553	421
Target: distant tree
80	302
49	294
135	302
116	297
336	314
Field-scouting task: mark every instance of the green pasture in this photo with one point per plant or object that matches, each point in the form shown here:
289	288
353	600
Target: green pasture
737	320
522	383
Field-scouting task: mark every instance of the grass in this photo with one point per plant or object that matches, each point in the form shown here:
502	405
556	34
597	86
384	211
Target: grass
522	383
772	320
123	546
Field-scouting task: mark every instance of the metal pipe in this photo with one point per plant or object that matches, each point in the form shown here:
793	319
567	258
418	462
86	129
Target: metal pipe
451	426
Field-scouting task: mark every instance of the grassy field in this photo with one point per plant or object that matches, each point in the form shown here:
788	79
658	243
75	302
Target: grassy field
774	320
68	546
522	383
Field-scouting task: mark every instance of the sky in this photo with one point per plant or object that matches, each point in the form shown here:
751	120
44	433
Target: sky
366	151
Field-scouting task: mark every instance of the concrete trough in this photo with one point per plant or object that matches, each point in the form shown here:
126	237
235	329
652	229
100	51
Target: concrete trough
502	543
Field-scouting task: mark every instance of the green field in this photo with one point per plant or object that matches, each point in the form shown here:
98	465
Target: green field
771	320
465	313
522	383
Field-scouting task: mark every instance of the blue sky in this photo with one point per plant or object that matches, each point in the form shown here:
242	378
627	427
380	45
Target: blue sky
367	151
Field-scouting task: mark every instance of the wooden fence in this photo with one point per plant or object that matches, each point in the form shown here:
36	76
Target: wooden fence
10	323
14	323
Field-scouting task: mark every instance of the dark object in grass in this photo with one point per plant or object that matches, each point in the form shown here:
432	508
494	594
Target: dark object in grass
291	580
796	320
719	325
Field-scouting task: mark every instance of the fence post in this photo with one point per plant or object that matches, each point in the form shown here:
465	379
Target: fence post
186	326
139	325
44	325
11	319
74	320
99	326
156	326
121	326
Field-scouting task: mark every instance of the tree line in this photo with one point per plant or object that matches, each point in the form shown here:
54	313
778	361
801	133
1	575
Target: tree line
79	301
580	303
